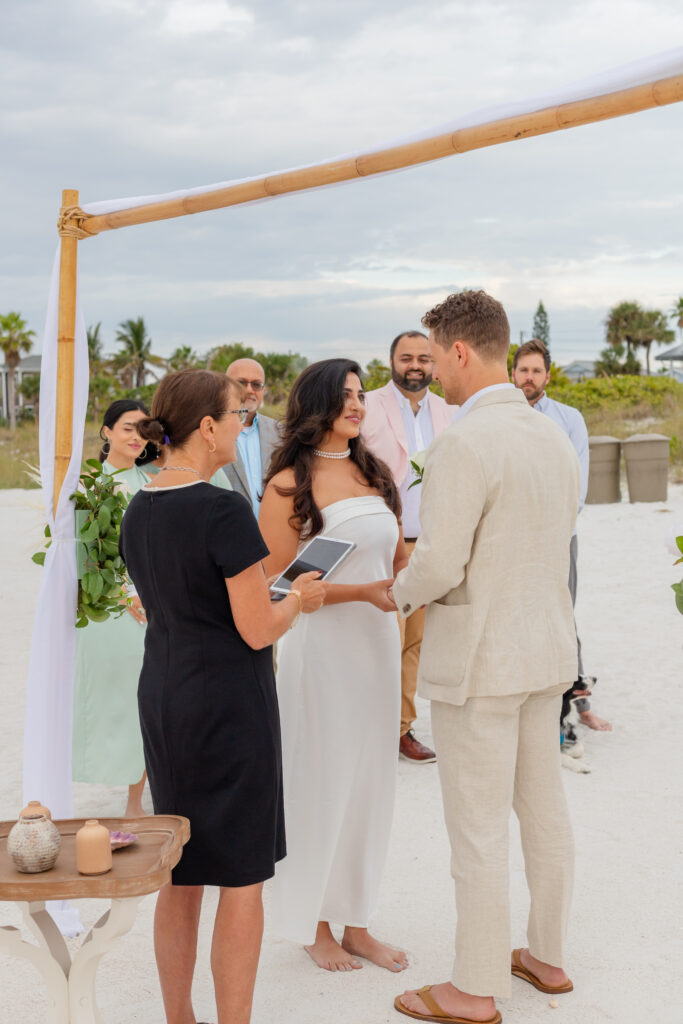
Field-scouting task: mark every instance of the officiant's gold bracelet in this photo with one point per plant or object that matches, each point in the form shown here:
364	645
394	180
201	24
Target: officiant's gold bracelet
297	595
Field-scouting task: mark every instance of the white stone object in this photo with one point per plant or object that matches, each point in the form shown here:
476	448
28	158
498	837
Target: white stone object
34	843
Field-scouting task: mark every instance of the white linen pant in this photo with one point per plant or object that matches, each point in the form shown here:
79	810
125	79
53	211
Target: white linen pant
494	754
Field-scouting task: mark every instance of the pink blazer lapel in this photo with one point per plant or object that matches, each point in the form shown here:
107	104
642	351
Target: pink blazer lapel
394	417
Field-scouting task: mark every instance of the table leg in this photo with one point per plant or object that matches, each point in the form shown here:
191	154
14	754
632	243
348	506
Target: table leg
115	922
50	956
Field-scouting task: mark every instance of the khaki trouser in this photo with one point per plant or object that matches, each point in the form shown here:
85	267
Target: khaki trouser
411	630
494	754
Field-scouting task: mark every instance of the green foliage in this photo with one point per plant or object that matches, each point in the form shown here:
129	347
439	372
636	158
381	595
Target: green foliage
95	347
135	354
627	392
101	587
184	358
541	325
614	361
377	375
676	313
280	369
678	587
14	339
630	325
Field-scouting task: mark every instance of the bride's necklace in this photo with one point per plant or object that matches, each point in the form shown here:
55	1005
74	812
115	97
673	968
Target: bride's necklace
332	455
181	469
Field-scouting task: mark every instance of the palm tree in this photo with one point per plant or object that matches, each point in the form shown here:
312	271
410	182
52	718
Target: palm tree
184	358
652	327
677	314
95	348
14	339
622	324
133	360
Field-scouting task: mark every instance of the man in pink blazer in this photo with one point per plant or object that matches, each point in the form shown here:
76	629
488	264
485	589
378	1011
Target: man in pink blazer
401	419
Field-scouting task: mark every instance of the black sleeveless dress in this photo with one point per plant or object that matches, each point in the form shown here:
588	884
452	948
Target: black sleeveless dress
207	701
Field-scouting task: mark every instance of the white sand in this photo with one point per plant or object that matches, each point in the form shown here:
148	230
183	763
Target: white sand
626	939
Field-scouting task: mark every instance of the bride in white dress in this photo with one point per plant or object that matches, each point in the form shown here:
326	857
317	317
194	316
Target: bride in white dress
339	678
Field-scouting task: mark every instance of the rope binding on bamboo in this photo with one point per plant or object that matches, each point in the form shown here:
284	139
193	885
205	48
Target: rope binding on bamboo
72	221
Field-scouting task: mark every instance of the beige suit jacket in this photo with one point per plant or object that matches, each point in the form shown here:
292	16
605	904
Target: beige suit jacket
499	500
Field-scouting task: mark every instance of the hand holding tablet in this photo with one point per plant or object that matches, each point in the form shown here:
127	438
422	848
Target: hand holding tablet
322	554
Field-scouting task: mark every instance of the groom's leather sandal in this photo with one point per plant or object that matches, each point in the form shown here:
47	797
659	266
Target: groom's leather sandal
520	971
436	1014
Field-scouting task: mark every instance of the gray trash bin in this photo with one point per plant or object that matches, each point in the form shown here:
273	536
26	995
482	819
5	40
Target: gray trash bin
647	466
603	474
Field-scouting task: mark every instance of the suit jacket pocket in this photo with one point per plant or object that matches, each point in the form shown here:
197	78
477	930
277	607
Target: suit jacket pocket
446	644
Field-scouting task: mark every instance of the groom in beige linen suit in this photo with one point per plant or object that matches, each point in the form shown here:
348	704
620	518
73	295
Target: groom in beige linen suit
499	499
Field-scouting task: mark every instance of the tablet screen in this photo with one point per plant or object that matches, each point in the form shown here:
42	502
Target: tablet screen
323	554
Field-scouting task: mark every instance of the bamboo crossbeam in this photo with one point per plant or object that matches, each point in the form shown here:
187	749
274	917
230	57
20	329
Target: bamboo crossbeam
66	330
510	129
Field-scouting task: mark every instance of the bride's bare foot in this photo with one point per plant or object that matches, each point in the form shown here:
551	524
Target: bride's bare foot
328	954
359	942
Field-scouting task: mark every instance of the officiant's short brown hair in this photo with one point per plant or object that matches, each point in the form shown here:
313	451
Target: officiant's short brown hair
473	317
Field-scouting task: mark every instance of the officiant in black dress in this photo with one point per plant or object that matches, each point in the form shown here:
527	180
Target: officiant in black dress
207	700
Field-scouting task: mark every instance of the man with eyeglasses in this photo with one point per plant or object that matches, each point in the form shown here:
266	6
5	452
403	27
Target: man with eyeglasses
401	419
259	435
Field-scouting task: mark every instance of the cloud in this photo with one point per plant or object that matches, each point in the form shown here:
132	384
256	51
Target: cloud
202	17
159	95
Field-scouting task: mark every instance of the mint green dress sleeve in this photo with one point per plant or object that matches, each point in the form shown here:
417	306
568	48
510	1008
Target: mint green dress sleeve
220	479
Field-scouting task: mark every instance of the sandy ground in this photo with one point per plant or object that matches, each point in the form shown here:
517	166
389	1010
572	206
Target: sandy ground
626	939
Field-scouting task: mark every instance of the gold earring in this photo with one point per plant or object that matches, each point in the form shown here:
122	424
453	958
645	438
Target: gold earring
212	450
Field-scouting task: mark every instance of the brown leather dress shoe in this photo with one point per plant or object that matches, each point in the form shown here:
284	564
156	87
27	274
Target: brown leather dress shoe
412	750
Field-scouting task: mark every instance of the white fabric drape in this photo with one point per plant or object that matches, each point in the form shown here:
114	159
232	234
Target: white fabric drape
49	697
640	72
47	744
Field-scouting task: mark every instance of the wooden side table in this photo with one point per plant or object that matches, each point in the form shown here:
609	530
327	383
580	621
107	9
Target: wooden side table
139	869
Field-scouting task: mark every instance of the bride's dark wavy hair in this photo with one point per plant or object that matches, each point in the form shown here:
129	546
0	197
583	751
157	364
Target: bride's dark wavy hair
315	402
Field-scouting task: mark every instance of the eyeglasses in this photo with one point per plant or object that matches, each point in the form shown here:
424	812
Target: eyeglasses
242	413
255	385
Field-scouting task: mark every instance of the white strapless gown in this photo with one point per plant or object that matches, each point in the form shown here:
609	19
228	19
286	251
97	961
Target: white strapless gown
339	688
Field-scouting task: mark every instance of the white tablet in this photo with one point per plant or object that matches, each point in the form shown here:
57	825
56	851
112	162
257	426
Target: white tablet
322	553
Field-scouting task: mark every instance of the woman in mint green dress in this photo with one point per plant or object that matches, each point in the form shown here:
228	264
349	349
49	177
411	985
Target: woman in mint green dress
107	743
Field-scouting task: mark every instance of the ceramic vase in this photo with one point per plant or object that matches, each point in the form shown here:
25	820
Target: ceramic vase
34	807
93	849
34	843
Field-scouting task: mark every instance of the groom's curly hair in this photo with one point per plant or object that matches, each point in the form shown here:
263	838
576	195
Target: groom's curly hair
473	317
315	402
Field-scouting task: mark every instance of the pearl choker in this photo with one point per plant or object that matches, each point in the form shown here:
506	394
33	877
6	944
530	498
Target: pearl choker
332	455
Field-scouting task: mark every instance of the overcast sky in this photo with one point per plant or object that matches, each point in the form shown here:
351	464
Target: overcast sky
129	97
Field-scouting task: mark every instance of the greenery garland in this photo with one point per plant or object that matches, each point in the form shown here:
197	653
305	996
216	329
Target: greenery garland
678	587
102	582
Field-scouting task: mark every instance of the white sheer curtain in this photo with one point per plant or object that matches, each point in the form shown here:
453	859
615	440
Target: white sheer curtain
47	745
49	697
640	72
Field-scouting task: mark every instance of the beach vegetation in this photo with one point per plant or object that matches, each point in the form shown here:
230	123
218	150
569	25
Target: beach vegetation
15	339
676	314
629	325
135	358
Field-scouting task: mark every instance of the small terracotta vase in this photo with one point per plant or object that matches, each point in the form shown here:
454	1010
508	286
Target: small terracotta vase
33	844
93	849
34	807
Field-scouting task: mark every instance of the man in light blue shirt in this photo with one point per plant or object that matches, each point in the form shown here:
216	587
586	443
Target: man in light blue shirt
531	373
258	438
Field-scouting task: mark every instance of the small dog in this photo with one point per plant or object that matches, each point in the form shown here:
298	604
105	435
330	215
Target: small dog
573	704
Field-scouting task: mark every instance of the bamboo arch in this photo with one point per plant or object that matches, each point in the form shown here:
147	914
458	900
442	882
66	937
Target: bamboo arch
74	224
